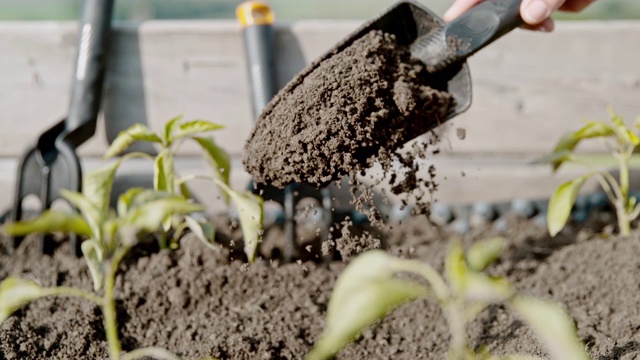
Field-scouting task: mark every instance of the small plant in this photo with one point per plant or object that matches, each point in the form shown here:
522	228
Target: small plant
175	132
368	289
621	142
111	234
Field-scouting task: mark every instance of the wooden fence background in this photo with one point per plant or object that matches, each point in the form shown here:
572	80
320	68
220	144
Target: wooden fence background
529	88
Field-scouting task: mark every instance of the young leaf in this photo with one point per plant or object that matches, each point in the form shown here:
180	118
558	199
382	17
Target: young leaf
50	221
456	268
16	293
136	132
205	232
594	129
92	215
219	160
560	154
561	203
485	289
124	201
169	128
483	253
93	256
553	326
195	127
250	212
364	293
163	172
97	184
148	217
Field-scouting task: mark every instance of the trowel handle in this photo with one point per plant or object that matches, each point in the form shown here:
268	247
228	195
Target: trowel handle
483	24
95	25
256	19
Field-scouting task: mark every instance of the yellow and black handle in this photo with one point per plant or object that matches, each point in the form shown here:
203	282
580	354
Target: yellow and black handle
257	19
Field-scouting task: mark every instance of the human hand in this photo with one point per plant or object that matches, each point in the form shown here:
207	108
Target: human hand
535	13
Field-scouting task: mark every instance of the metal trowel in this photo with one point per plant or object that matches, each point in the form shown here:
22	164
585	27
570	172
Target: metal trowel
443	48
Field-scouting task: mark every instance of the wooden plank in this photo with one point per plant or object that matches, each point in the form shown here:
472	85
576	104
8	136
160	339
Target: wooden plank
528	87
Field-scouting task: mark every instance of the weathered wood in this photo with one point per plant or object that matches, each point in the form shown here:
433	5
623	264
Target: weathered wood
528	89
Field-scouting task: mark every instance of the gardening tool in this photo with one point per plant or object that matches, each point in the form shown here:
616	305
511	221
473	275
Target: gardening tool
442	47
51	164
256	19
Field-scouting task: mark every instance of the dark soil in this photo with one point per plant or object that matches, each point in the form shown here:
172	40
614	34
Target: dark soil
355	107
196	302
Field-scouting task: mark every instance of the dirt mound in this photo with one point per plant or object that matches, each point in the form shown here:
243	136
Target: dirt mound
354	108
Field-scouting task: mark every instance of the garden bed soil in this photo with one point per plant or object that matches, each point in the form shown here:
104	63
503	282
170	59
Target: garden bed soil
198	303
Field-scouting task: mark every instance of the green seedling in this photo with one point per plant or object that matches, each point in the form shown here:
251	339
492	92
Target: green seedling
368	289
110	235
621	142
174	134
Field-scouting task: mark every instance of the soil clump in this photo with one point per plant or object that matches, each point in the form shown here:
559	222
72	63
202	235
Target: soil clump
354	109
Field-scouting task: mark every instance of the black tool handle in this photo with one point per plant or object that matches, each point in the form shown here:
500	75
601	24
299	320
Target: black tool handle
88	77
256	18
464	36
484	23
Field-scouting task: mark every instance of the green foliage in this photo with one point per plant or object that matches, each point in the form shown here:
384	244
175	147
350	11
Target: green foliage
16	293
110	236
369	288
622	142
175	132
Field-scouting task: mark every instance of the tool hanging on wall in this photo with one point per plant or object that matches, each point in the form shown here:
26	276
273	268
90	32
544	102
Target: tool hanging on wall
257	20
51	163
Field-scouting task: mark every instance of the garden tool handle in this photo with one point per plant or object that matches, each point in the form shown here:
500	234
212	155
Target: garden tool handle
257	19
88	77
470	32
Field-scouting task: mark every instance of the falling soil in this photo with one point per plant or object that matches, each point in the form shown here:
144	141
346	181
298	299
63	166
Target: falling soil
198	303
355	108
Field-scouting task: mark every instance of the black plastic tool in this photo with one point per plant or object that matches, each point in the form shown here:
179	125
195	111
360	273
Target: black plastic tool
51	163
256	19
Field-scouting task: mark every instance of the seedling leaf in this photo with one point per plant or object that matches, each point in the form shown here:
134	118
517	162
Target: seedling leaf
148	217
456	267
125	200
364	293
91	213
553	326
561	203
169	128
195	127
93	256
594	129
50	221
16	293
483	253
136	132
219	160
484	289
163	171
205	232
250	212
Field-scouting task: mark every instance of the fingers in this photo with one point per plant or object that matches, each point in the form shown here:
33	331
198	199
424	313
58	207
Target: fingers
534	12
546	26
458	8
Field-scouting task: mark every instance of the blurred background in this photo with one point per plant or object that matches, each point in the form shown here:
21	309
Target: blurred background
287	10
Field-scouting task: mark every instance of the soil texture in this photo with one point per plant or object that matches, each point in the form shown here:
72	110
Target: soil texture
356	107
197	302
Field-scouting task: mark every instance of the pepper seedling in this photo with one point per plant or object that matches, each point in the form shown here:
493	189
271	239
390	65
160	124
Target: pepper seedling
174	134
368	289
621	142
110	235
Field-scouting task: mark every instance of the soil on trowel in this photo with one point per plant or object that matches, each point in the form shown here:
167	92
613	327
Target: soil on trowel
355	108
198	303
